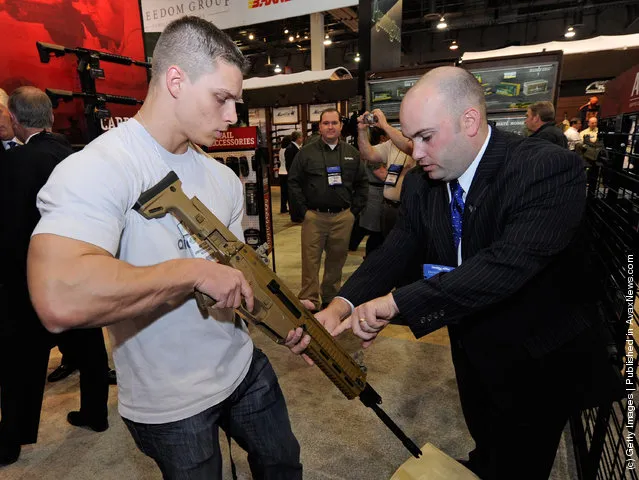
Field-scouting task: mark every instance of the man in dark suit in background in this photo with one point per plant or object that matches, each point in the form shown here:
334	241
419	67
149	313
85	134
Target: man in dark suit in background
500	215
289	155
24	343
8	139
540	120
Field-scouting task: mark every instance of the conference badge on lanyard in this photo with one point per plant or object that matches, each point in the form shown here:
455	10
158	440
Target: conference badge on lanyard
394	171
334	176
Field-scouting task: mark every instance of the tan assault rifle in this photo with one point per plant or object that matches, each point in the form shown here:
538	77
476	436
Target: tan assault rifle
276	310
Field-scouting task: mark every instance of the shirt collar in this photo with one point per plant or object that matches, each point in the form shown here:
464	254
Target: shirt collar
332	147
5	143
466	178
30	137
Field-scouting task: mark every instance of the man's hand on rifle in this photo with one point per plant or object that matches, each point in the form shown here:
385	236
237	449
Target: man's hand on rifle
368	319
226	285
330	318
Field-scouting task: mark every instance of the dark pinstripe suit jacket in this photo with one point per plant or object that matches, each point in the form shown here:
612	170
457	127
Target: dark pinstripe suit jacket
519	289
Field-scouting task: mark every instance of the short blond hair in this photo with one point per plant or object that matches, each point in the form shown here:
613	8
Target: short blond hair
194	44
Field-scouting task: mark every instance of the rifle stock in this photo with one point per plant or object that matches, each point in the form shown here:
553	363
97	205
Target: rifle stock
276	309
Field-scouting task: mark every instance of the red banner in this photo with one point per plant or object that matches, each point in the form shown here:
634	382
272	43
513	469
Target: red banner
112	26
239	138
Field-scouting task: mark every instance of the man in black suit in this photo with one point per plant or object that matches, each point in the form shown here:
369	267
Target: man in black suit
24	343
540	120
289	155
8	139
495	218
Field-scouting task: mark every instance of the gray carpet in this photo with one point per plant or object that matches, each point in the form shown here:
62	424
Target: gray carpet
340	439
343	439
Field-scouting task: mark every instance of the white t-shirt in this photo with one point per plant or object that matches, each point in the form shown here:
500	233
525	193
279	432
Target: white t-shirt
573	137
282	170
179	364
394	156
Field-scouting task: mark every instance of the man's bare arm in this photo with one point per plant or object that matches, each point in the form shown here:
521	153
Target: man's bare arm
366	150
77	284
397	137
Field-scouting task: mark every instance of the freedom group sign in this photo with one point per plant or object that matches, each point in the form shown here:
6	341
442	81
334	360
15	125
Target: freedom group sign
156	14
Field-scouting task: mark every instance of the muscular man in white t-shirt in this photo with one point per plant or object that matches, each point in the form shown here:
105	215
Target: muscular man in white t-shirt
94	261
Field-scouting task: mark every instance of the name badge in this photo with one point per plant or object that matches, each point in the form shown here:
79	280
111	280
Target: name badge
430	270
191	243
334	176
394	171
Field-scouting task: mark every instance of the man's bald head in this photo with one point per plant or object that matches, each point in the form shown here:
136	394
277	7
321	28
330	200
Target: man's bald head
456	87
444	115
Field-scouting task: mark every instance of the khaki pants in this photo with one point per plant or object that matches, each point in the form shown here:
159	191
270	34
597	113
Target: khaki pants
321	232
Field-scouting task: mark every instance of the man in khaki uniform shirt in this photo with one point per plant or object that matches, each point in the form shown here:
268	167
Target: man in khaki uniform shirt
395	151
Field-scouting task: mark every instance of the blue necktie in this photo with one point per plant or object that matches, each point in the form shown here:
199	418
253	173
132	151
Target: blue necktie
11	144
456	210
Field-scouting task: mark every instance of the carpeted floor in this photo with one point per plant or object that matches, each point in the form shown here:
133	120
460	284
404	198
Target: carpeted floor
340	439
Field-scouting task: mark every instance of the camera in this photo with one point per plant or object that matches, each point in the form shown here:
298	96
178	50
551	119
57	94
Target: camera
370	119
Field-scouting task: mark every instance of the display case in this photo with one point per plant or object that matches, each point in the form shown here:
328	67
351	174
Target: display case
386	90
511	84
239	150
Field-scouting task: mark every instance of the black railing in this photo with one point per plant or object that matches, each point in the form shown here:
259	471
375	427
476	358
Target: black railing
603	437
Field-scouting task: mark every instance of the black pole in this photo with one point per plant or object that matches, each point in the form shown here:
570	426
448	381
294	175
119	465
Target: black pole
365	12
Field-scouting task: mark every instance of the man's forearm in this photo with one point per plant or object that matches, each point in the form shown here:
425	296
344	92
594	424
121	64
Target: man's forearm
98	290
400	141
366	150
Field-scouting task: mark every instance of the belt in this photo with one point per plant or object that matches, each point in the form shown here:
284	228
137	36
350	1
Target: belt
393	203
328	210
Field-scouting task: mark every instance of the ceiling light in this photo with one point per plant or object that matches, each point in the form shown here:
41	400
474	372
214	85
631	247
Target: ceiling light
570	32
327	41
305	37
277	69
454	46
285	31
357	58
251	36
291	38
297	36
442	24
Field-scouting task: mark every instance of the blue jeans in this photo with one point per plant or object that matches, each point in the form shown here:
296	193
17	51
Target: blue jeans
255	416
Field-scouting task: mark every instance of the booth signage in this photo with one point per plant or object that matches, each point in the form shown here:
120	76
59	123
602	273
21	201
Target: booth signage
622	94
314	111
517	86
285	115
156	14
238	138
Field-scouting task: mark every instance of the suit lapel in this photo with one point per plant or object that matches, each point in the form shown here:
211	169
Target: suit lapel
439	218
488	167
